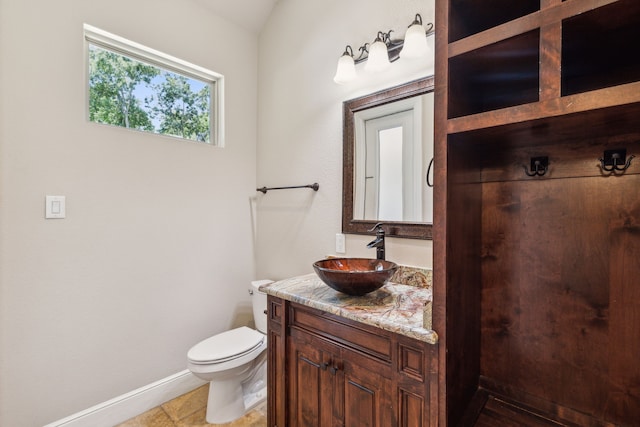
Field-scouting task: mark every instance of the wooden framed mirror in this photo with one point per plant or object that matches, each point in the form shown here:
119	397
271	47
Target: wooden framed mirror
386	178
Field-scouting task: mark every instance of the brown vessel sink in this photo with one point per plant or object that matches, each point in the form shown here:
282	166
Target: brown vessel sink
354	276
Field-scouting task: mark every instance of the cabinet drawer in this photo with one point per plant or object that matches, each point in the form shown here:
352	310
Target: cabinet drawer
358	336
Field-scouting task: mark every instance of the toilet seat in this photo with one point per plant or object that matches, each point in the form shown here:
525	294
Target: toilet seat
226	346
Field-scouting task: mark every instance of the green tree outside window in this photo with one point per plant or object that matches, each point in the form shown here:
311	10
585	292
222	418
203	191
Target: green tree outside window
132	94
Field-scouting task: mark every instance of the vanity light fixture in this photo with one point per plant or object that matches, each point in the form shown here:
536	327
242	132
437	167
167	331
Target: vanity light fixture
384	50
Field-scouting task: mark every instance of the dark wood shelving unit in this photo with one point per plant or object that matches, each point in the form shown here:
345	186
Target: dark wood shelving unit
536	278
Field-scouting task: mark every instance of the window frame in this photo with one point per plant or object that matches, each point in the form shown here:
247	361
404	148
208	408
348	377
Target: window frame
120	45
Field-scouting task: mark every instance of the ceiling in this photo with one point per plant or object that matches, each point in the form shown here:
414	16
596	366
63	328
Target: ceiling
249	14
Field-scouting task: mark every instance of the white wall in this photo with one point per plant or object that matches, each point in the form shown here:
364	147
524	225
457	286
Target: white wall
156	251
300	126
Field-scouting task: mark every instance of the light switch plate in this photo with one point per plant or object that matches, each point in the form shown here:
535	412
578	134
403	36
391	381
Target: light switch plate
55	207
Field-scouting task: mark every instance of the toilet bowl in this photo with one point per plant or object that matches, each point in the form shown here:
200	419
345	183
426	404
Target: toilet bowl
234	363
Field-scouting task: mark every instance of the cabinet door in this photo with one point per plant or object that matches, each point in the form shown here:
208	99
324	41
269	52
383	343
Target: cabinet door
312	382
367	392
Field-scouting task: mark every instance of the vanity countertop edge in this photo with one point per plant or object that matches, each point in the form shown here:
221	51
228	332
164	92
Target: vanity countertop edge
394	307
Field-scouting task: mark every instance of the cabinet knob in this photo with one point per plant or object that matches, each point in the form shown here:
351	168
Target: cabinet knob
324	366
334	369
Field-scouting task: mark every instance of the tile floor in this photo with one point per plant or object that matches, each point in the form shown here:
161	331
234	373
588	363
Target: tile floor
189	410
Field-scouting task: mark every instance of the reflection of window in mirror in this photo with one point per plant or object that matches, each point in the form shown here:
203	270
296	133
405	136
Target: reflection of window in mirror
391	190
388	193
394	145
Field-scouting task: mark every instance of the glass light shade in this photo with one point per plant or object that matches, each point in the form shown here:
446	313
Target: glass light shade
378	58
346	71
415	42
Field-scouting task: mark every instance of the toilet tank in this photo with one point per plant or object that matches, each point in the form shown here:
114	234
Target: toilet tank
259	302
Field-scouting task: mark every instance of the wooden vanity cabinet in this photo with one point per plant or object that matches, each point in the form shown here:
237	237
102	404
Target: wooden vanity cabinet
327	371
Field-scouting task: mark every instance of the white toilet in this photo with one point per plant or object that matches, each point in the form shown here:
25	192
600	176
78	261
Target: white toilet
235	364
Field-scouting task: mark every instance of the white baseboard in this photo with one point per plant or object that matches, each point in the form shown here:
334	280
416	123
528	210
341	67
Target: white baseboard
128	405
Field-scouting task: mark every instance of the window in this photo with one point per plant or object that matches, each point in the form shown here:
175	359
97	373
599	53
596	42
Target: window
135	87
390	190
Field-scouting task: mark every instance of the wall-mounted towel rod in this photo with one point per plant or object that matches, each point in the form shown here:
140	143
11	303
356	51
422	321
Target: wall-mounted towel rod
264	190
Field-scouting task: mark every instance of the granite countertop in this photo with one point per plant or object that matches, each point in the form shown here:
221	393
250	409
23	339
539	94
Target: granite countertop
394	307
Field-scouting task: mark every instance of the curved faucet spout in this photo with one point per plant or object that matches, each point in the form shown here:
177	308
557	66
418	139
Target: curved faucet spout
378	243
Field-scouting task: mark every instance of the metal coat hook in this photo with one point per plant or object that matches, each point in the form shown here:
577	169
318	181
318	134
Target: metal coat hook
615	161
538	167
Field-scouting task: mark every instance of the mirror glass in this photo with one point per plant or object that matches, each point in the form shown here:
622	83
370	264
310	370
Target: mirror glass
388	151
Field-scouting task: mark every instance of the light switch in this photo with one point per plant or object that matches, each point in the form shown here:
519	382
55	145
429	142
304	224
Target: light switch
55	207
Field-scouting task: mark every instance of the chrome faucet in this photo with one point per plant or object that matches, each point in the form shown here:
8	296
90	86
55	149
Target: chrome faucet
378	243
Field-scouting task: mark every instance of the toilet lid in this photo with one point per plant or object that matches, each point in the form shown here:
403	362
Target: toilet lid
226	345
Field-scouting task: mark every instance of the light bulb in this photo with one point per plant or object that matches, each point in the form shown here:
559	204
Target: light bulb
346	71
415	42
378	59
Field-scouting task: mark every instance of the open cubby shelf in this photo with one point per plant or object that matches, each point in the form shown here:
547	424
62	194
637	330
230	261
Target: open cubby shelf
600	48
538	282
500	75
470	17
